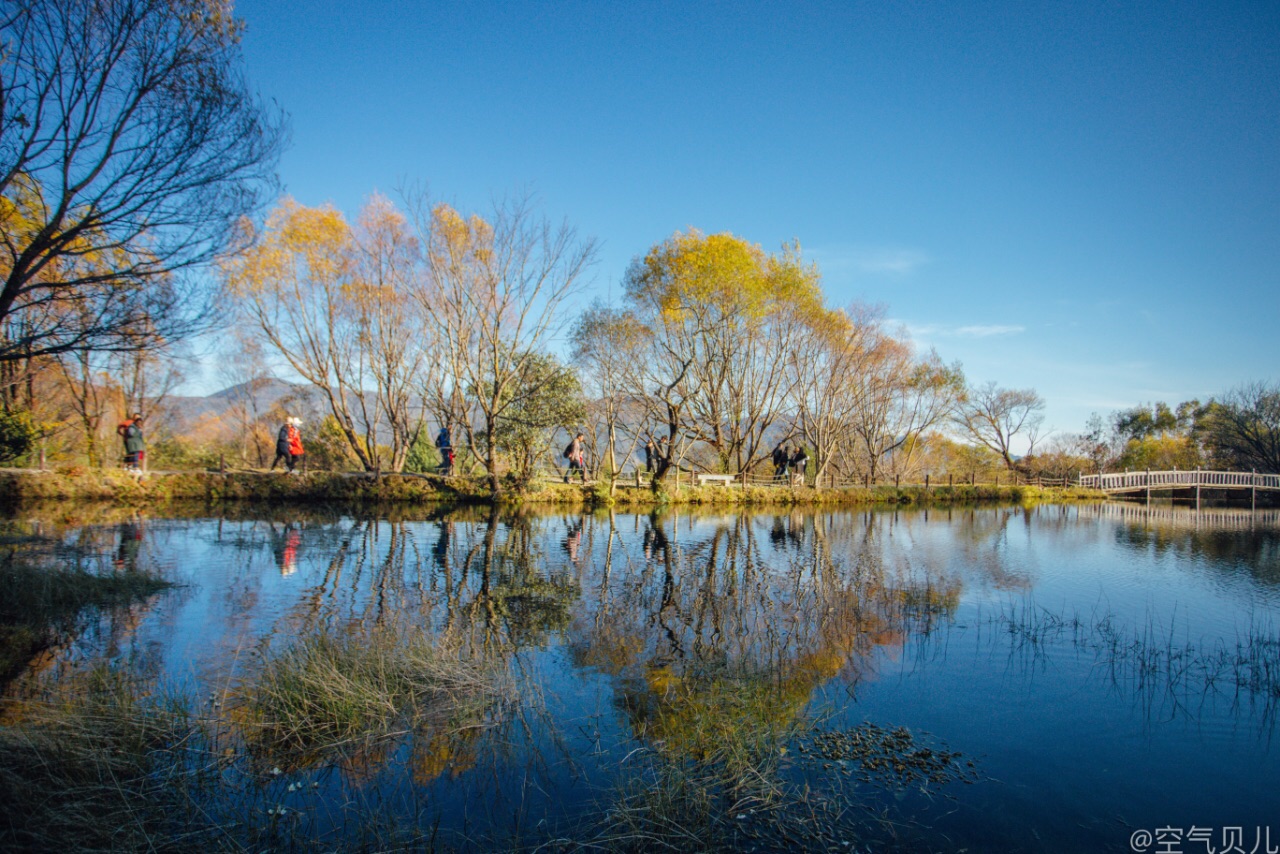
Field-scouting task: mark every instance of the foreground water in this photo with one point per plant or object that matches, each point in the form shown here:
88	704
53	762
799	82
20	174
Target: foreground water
993	679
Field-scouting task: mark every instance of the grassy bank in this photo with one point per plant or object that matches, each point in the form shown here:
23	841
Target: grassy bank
22	486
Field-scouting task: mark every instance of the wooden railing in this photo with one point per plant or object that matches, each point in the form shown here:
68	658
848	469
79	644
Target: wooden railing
1132	481
686	477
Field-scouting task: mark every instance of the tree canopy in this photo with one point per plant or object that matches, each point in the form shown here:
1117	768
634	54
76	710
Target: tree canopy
130	146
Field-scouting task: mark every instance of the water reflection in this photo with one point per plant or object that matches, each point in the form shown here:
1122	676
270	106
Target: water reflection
683	635
1227	539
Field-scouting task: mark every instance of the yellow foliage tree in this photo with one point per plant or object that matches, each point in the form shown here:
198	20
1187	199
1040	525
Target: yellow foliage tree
333	302
721	312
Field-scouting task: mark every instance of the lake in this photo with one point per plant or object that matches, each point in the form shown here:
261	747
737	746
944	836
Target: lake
1054	678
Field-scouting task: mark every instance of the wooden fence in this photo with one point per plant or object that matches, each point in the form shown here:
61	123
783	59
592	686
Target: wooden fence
688	477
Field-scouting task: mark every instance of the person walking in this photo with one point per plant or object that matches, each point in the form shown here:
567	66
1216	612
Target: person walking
779	462
444	443
288	444
799	460
282	447
295	442
576	453
135	445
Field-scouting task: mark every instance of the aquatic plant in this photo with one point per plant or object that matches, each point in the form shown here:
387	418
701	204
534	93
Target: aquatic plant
337	689
1152	659
95	767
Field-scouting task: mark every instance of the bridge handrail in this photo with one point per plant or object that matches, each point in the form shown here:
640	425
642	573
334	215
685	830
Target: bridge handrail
1195	477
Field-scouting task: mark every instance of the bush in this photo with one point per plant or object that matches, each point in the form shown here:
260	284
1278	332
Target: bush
18	435
423	456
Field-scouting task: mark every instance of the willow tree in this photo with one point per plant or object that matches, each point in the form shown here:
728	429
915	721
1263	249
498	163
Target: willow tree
493	297
334	303
720	311
129	148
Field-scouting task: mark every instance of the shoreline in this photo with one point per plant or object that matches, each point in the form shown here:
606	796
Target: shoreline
21	486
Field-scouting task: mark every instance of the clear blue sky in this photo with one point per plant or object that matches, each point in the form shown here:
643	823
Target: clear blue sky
1079	197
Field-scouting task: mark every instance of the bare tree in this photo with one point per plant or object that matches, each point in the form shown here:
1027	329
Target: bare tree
129	147
390	324
242	368
993	417
902	397
607	347
90	390
493	298
827	361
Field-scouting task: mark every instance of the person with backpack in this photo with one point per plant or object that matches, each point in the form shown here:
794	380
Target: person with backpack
135	446
444	443
575	452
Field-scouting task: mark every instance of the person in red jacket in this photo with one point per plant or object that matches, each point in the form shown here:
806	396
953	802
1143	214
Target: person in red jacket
295	441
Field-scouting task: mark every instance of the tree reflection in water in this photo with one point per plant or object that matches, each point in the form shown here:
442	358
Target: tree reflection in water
712	633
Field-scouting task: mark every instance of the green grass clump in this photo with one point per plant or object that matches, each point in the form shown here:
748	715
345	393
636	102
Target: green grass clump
332	690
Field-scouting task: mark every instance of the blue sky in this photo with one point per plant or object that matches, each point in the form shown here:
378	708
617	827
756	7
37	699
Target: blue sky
1082	198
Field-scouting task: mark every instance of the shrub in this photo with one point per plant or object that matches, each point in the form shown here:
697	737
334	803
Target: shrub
18	435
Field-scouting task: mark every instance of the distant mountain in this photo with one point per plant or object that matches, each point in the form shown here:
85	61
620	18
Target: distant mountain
184	411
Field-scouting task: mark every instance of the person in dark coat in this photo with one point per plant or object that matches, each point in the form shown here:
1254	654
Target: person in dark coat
779	462
444	442
576	453
799	460
650	453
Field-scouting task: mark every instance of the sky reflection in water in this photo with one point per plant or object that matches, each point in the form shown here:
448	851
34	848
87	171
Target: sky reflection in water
1088	660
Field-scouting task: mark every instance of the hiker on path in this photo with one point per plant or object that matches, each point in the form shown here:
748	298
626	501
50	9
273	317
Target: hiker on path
444	442
288	444
576	454
295	440
798	462
135	446
780	461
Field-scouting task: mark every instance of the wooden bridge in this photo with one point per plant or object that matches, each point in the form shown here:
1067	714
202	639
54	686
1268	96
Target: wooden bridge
1134	482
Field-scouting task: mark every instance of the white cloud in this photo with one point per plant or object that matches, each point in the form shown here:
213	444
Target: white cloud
921	330
893	262
870	260
989	331
938	330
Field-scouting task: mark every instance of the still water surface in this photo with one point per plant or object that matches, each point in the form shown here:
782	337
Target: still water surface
1104	669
